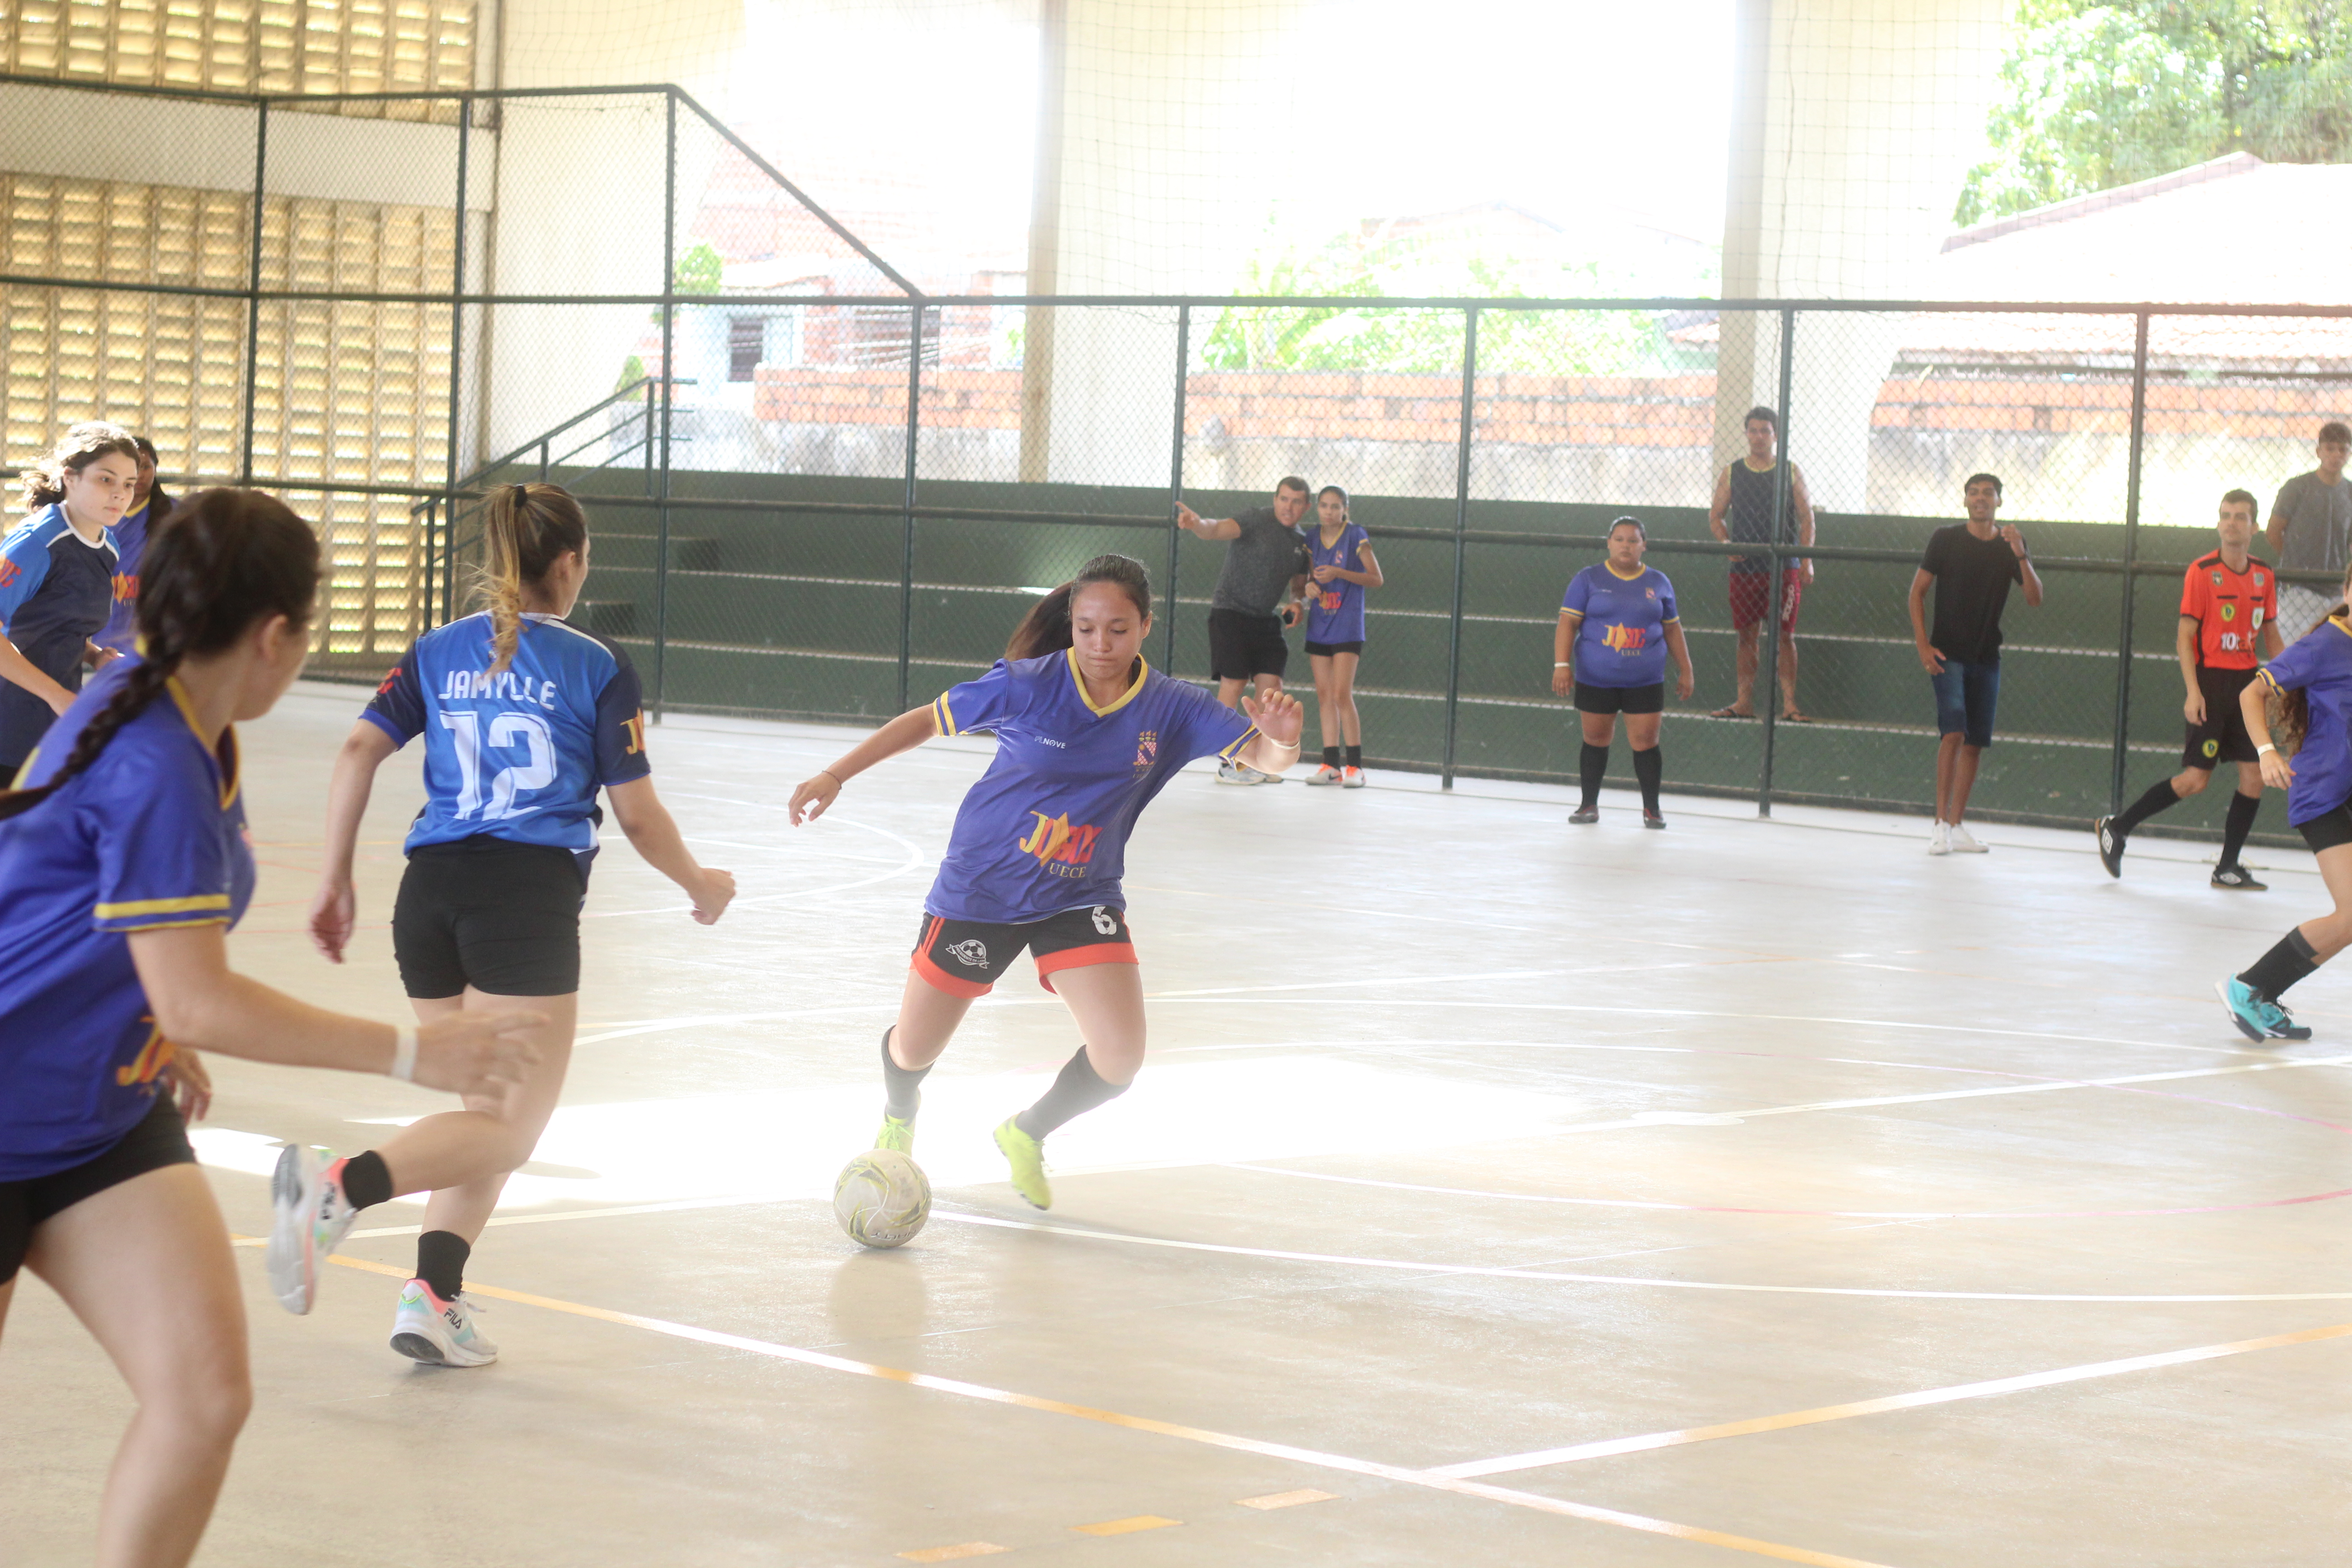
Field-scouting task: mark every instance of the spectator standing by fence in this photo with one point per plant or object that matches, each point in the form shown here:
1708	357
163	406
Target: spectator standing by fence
1617	624
1742	513
2228	624
1266	557
1971	566
1343	566
2310	530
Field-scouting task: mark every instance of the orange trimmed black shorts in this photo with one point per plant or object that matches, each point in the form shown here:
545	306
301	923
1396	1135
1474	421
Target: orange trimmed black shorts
967	958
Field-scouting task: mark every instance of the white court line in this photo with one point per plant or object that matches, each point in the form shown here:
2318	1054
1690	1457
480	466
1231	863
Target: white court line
913	860
1482	1272
1988	1389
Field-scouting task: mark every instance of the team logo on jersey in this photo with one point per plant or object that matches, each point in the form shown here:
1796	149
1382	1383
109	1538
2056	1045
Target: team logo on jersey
2217	579
388	681
971	953
9	572
126	587
1060	847
1330	601
1147	749
2257	579
1625	640
1649	592
153	1056
2228	611
636	732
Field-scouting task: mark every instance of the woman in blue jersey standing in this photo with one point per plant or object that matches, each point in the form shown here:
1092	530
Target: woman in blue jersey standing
148	504
56	580
524	718
1617	624
1343	568
123	862
1086	734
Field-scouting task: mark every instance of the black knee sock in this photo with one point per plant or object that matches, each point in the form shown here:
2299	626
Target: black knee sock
1078	1090
1331	756
1648	769
367	1180
2241	822
441	1262
1590	768
902	1087
2282	966
1355	756
2160	796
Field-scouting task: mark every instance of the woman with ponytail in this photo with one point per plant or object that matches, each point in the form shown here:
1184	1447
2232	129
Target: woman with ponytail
2298	714
1087	733
56	580
122	865
524	719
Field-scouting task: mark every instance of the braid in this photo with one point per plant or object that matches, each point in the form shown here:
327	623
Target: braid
131	699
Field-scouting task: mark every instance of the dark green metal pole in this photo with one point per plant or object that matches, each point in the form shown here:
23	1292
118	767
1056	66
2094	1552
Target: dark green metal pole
1461	527
907	518
1175	489
2131	554
1767	690
668	401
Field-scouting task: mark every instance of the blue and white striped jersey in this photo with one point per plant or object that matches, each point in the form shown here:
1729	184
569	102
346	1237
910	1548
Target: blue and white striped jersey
519	754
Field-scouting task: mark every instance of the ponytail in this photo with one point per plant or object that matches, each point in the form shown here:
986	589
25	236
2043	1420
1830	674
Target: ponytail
222	560
526	530
1047	627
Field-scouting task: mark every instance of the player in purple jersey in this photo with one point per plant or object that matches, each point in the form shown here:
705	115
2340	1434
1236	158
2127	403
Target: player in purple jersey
524	719
2298	712
1618	622
123	862
1086	734
149	503
1343	567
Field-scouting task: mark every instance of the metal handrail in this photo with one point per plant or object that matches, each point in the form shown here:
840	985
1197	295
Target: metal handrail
542	441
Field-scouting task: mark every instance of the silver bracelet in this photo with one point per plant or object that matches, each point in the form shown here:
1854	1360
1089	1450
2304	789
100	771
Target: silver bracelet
403	1055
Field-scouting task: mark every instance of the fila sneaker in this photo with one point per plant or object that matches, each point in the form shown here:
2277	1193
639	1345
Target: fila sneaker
426	1329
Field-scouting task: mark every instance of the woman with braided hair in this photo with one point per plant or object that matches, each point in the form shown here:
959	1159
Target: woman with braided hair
122	865
524	719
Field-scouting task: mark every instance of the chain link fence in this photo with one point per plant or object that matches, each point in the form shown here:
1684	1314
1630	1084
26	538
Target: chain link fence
822	486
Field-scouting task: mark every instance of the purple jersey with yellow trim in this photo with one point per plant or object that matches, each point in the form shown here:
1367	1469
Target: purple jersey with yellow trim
1046	829
2319	665
121	632
149	835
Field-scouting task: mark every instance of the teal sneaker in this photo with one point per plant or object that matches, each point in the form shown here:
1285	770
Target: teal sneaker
2256	1016
1027	1158
896	1134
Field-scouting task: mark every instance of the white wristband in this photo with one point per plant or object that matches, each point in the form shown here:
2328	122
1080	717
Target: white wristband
404	1056
1559	663
2265	746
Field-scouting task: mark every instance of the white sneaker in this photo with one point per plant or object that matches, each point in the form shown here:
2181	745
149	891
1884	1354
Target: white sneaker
1235	773
426	1329
1326	774
1940	841
1351	778
1258	776
1964	845
311	1217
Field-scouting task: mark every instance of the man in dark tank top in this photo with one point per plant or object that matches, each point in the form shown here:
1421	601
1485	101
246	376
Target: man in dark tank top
1741	513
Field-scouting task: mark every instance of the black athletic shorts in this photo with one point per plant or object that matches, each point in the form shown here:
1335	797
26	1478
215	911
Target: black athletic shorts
2330	831
967	958
1326	649
1649	698
158	1139
2222	737
1241	645
491	913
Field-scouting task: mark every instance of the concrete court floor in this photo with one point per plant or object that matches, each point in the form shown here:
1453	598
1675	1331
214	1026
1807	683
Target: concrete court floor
1469	1137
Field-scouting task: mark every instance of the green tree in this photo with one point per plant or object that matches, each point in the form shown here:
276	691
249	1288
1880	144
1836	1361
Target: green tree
2096	96
699	271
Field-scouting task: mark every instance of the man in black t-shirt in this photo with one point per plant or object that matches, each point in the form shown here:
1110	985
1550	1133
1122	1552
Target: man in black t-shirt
1971	566
1267	560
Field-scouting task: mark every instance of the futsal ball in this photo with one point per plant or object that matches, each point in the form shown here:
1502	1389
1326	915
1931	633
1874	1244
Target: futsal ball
882	1198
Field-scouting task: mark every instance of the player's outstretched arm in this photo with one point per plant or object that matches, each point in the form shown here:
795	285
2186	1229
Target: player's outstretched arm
201	1004
904	733
1278	718
653	834
365	749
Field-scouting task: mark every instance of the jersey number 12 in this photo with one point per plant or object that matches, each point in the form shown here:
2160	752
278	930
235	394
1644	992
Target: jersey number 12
510	784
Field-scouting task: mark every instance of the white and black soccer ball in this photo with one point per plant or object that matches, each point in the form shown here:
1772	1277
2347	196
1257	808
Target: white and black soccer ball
882	1198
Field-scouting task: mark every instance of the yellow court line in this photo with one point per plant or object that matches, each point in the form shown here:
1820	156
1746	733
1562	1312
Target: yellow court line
1398	1473
1879	1407
952	1553
1126	1526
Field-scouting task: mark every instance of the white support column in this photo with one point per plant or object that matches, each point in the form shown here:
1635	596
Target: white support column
1156	172
1856	122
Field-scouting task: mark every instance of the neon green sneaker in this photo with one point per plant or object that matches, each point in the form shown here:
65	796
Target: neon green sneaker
1028	1160
896	1134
